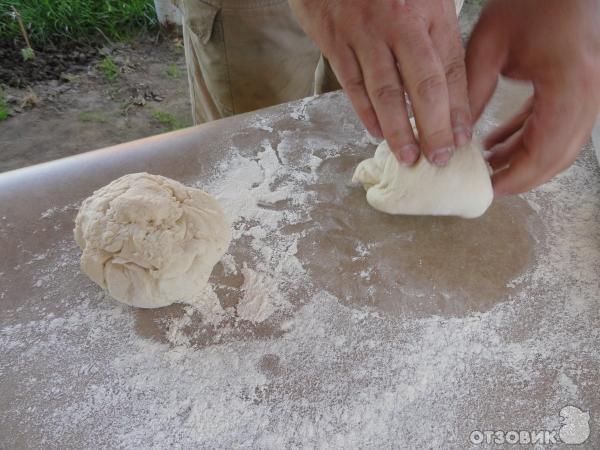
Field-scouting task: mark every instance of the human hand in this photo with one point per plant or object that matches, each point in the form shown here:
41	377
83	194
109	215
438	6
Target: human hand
380	49
556	45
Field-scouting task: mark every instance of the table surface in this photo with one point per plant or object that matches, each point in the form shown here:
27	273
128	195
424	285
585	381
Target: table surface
378	331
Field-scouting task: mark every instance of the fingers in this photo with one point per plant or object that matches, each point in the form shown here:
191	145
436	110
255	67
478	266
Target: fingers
507	129
549	142
383	85
502	153
425	81
446	38
349	74
485	57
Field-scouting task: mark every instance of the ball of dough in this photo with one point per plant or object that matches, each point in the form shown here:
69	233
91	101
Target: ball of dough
149	240
461	188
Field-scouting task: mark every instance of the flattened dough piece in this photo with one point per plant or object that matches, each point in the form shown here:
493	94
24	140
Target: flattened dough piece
461	188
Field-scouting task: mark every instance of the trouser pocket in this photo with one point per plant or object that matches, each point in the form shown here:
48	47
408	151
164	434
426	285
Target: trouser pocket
206	61
245	55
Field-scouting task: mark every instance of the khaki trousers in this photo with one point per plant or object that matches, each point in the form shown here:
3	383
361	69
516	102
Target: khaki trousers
244	55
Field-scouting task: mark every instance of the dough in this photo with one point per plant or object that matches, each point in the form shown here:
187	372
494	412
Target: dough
149	240
461	188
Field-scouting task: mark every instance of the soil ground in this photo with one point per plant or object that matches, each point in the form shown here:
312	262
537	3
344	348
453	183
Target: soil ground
63	104
81	110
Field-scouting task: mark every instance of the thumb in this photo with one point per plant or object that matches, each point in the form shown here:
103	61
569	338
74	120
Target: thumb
486	55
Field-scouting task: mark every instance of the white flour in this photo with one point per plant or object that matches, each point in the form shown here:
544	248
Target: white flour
261	296
266	373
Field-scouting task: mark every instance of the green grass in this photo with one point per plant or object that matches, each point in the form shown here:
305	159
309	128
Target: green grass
71	77
173	71
27	53
179	47
93	116
108	68
3	107
168	120
79	20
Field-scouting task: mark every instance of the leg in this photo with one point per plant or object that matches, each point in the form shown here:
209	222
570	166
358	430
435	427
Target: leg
325	79
244	55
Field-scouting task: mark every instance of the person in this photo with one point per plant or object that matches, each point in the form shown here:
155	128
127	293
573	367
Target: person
247	54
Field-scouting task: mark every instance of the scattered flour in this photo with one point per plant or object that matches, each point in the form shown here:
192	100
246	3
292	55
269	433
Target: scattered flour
51	212
300	109
257	304
229	267
208	305
268	373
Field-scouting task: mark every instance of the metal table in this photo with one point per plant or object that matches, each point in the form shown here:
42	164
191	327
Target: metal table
395	332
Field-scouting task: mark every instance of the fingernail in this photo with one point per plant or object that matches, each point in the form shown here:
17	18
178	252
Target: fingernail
462	135
441	156
409	153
